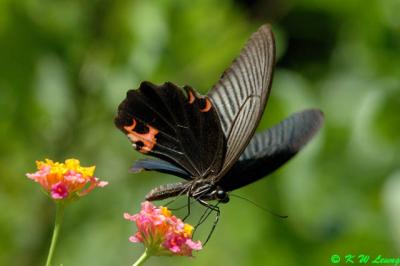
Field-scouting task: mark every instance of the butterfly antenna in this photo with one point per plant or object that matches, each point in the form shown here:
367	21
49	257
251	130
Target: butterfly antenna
259	206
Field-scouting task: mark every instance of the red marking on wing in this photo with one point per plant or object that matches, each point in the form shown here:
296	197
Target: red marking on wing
131	127
191	97
207	107
148	139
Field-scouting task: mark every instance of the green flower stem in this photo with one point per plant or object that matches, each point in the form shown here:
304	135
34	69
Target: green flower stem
142	258
57	224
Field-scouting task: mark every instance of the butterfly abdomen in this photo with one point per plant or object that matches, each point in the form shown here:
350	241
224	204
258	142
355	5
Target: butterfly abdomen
167	191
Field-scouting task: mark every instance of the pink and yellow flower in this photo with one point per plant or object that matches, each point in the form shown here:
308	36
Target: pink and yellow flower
65	180
162	233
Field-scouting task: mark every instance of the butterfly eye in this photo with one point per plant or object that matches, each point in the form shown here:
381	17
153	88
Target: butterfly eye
222	196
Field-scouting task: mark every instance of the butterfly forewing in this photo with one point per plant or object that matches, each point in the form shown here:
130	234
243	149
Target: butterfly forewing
182	129
270	149
241	94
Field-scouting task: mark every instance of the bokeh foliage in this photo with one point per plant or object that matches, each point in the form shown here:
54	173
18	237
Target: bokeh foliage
65	66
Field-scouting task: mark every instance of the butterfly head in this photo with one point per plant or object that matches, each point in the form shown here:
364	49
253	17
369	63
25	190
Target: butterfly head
221	195
207	191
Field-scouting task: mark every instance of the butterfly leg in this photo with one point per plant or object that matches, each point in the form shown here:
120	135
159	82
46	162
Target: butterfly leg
204	216
202	219
190	194
180	207
211	208
183	191
188	208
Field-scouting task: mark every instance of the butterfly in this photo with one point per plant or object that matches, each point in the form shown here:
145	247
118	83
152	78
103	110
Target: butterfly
209	140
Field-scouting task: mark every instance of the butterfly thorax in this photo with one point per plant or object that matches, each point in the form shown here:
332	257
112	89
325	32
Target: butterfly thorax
205	190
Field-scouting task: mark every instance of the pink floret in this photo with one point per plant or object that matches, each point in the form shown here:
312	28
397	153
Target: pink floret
59	191
162	232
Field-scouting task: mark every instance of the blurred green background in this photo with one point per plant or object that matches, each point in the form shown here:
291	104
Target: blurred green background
66	65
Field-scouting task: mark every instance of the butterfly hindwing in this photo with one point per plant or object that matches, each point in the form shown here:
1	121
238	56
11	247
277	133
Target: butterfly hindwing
241	94
270	149
180	128
159	166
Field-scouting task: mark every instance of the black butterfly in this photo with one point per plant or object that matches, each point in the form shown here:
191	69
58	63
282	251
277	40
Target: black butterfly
208	140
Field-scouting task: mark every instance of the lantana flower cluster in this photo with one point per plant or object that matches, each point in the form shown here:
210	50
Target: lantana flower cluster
65	180
162	233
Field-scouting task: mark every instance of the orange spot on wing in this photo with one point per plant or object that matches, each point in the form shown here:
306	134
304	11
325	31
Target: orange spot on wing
148	139
207	107
191	97
131	127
